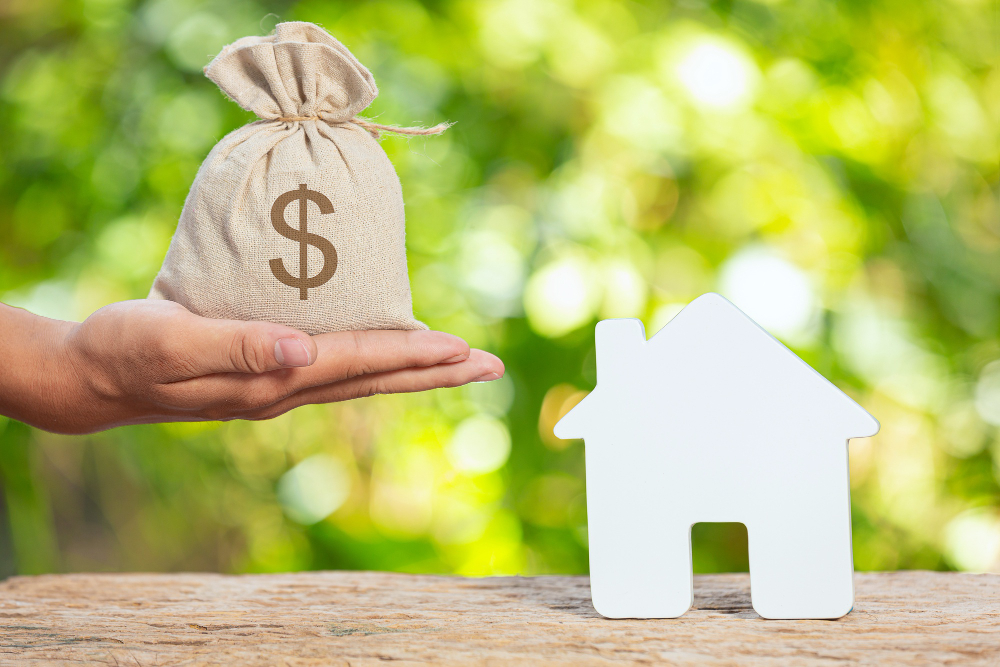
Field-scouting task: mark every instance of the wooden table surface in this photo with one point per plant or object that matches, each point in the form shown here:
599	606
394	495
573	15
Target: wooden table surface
358	618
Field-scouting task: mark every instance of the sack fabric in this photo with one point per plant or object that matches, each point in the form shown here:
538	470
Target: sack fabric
240	240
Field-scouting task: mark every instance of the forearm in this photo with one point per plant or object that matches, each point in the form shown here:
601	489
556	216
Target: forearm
39	384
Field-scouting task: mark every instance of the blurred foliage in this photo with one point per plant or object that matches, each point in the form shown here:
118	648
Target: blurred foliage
832	167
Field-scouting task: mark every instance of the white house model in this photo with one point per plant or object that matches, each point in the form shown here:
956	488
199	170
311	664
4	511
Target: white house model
715	420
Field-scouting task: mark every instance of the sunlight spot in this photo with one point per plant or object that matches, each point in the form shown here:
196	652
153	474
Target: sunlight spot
314	489
972	541
988	393
493	270
717	76
625	290
52	299
560	297
774	292
480	445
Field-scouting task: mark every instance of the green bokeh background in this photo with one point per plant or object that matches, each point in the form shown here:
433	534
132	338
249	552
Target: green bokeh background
830	166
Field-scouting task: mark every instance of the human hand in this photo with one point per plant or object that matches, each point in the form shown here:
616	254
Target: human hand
155	361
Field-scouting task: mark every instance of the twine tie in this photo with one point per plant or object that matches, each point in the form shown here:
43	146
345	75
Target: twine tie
374	129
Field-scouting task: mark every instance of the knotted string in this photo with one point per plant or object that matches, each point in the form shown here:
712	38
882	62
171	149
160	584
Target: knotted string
375	129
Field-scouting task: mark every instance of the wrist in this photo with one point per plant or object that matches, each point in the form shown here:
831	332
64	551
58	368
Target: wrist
40	382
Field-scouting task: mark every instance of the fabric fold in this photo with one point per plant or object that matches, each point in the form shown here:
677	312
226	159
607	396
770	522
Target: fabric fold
301	70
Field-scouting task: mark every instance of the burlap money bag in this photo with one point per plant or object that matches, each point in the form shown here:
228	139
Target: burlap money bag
296	218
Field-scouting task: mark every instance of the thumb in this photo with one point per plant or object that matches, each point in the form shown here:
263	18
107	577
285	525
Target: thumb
230	346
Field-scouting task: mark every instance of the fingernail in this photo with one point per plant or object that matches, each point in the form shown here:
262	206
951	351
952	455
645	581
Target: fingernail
291	352
487	377
456	358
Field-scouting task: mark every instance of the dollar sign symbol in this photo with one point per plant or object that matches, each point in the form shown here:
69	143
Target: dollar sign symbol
304	195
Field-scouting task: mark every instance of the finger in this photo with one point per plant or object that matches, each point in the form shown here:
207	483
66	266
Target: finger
341	355
479	367
207	346
348	354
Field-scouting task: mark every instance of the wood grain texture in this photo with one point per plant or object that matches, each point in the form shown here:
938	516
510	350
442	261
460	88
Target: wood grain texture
361	618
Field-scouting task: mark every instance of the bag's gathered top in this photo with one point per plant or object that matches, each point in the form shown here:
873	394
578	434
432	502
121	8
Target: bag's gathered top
301	73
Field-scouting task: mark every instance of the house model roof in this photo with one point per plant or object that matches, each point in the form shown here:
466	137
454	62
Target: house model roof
710	363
